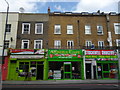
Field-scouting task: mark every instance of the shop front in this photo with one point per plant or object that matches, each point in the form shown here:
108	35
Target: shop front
65	64
26	64
104	64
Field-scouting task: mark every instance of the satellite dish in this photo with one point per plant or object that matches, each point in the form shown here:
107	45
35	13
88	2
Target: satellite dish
21	9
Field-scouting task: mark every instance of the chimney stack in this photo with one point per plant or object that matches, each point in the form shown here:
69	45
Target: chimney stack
48	9
98	11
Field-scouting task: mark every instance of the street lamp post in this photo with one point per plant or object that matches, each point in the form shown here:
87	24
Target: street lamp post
5	32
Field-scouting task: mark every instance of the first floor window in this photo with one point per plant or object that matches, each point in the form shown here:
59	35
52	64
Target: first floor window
117	28
101	44
57	29
38	44
69	29
25	44
88	43
70	43
39	28
6	44
87	29
57	43
99	30
8	28
118	42
26	28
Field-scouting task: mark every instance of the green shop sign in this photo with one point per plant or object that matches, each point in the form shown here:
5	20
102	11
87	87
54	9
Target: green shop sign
100	56
65	53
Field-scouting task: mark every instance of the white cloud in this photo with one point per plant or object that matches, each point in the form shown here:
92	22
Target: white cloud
94	5
14	5
59	8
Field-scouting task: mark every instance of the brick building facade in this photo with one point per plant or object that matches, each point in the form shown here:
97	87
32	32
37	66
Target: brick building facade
32	31
83	30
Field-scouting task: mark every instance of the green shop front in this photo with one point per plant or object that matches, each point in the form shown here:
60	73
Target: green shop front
106	63
65	64
27	64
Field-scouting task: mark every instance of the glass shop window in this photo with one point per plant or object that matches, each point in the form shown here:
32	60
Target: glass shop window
39	62
76	70
33	68
105	67
23	68
113	70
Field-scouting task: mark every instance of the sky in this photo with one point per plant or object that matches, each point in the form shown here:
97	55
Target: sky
41	6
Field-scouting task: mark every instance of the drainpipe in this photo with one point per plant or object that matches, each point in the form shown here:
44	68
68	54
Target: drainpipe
109	39
78	34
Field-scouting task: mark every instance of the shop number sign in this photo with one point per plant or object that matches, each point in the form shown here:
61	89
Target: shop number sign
65	53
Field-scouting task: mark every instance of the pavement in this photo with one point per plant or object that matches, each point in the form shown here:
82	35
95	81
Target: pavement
62	82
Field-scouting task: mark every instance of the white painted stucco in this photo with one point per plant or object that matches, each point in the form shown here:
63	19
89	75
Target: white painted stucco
13	20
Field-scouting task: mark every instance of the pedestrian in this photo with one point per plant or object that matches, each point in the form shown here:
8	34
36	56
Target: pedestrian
26	76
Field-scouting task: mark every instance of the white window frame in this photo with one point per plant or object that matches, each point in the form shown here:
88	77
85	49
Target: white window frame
22	46
35	44
71	41
100	43
8	28
36	25
6	46
57	43
23	28
117	40
55	26
87	29
69	29
100	30
87	43
115	29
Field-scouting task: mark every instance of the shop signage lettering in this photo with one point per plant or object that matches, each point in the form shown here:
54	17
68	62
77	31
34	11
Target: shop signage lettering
26	51
99	56
26	56
65	53
100	52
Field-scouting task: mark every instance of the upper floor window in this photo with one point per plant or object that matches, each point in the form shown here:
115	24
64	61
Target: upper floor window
88	43
117	28
69	29
101	44
6	44
8	28
70	44
25	28
39	28
57	43
118	42
38	44
57	29
25	44
99	30
87	29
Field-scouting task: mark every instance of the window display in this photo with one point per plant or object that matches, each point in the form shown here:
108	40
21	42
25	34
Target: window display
64	70
107	70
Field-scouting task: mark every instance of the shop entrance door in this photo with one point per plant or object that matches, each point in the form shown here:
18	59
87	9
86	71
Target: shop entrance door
106	69
88	70
67	70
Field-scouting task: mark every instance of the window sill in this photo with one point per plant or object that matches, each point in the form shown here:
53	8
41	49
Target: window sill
57	33
70	33
38	33
100	34
87	34
117	33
